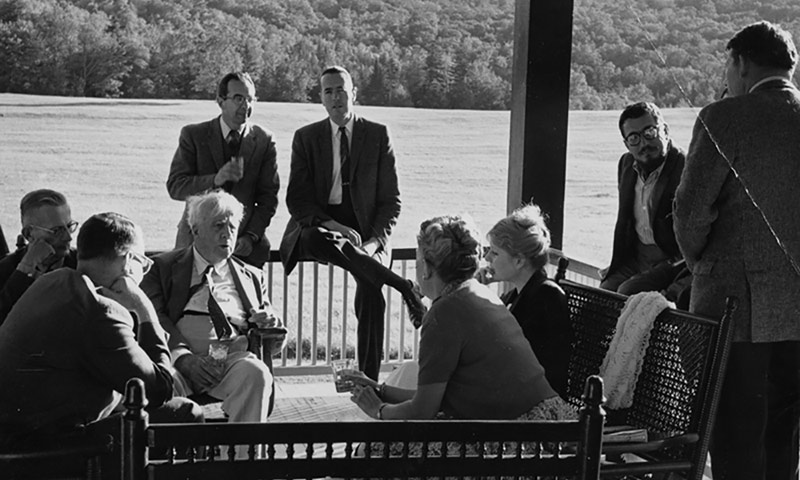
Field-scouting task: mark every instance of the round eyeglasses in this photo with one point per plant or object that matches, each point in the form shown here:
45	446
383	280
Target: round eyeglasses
649	133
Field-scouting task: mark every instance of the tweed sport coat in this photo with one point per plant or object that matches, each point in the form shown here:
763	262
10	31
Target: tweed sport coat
200	155
373	184
660	216
721	231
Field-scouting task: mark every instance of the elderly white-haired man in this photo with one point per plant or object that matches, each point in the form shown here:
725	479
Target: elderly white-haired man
207	300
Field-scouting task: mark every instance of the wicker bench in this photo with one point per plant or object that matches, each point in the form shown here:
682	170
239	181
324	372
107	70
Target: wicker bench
566	449
677	390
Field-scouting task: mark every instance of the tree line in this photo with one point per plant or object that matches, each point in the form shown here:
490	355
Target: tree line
416	53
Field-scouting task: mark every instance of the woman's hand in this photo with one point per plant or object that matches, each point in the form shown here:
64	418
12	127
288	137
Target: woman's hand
358	378
367	400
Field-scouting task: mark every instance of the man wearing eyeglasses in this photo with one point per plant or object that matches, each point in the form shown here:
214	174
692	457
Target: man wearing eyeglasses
76	336
47	229
234	154
645	255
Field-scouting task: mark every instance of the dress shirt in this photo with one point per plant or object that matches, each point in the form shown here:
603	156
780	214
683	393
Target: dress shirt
765	80
335	197
643	202
226	130
224	291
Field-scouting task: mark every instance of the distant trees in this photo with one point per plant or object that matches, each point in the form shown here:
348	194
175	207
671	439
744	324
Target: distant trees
423	53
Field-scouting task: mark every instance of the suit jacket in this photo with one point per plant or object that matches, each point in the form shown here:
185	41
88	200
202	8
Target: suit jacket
200	156
13	283
65	350
725	239
661	216
541	310
373	183
167	285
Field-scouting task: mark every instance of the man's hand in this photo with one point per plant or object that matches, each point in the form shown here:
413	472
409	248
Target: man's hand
233	171
244	246
202	371
265	318
127	293
38	258
350	234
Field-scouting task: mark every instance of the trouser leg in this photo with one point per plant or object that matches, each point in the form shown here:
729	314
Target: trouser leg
783	418
370	306
737	446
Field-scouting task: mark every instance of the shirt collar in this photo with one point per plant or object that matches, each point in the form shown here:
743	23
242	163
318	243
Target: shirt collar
200	263
765	80
226	129
348	126
654	174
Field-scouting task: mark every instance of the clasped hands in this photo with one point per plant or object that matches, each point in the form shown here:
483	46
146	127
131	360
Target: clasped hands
336	230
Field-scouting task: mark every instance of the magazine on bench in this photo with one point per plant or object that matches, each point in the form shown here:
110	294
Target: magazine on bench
624	434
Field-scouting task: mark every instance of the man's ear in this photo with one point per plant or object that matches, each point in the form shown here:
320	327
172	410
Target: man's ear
427	270
219	101
355	93
26	234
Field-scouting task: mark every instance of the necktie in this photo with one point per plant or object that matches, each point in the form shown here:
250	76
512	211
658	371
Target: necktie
222	326
344	154
234	142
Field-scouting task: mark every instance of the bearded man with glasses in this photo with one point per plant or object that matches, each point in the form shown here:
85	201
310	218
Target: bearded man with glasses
232	153
645	255
47	229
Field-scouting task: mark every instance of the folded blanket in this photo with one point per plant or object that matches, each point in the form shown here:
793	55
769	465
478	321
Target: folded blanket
623	361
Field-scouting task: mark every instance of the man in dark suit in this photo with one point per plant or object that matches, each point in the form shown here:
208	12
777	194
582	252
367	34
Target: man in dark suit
71	342
231	153
207	301
344	201
737	224
47	228
645	254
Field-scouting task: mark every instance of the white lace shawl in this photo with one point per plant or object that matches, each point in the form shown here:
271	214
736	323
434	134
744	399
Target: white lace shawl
623	361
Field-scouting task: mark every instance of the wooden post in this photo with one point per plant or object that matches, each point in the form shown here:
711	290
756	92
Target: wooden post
134	425
593	418
540	108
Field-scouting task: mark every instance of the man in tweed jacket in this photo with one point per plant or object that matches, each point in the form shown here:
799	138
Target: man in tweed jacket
737	224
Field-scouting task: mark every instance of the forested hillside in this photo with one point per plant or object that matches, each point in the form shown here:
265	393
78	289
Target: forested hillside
423	53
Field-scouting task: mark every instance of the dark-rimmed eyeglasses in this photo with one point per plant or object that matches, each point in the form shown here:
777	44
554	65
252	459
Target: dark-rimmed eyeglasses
649	133
60	230
239	99
143	260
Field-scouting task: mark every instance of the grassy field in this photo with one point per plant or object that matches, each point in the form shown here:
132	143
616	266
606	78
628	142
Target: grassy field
115	155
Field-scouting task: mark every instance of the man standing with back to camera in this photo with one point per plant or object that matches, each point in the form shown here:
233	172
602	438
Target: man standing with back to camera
344	201
737	223
231	153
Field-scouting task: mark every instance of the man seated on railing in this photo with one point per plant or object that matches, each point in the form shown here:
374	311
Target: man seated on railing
76	336
47	229
207	300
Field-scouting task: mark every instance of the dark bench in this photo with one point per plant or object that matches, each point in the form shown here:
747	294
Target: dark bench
677	390
566	449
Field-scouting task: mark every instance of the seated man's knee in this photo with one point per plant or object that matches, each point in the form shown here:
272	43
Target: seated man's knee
255	373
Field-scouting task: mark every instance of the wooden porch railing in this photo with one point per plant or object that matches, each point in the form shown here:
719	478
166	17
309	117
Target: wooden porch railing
316	303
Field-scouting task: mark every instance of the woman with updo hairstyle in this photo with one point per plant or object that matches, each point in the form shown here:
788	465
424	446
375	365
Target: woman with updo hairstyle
474	361
519	248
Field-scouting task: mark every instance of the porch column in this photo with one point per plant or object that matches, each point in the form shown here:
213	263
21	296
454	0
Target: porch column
540	108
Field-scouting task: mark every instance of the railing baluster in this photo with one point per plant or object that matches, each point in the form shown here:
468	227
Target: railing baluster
344	313
330	314
299	338
315	315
